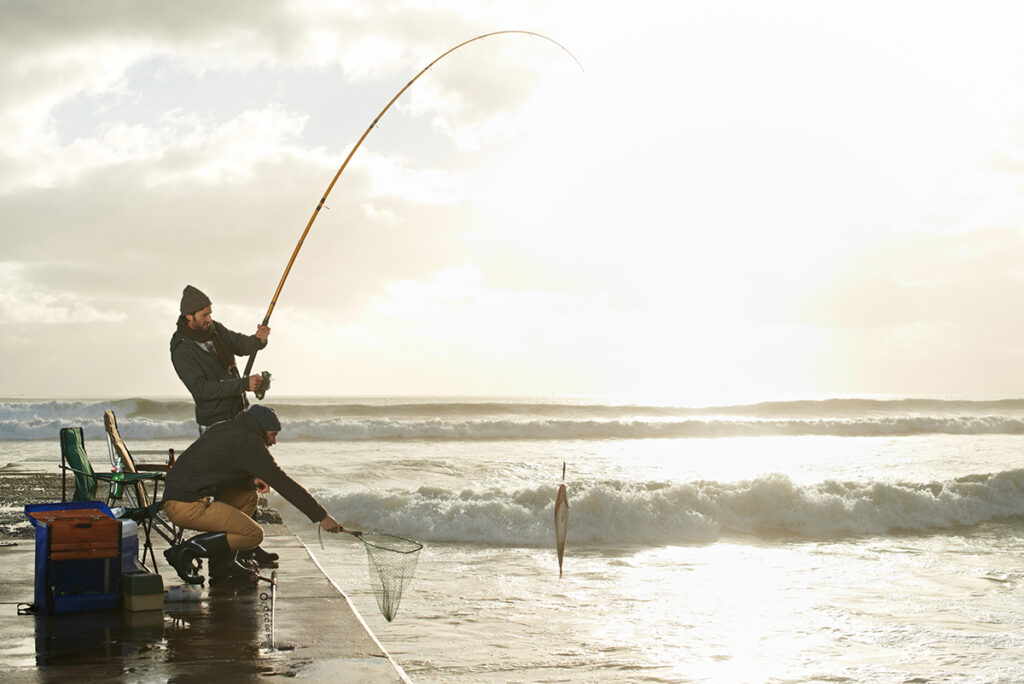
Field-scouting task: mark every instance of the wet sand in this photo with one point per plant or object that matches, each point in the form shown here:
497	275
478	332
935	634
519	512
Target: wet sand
18	489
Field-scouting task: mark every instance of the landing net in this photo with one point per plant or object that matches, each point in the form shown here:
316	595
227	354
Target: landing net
391	562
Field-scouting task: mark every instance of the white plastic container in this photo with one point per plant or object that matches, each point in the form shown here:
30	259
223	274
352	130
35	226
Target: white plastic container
129	545
182	593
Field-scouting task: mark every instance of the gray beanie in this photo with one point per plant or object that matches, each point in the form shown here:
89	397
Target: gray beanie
266	417
192	300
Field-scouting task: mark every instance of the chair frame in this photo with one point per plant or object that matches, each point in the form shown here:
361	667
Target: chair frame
136	492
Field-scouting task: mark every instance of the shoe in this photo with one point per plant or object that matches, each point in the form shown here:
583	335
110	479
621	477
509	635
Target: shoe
184	558
262	556
185	561
224	565
263	559
228	571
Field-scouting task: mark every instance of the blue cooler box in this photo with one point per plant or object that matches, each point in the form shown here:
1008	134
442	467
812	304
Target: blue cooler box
78	556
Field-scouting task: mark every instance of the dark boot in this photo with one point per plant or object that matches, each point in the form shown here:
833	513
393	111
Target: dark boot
229	571
184	557
263	559
187	569
224	565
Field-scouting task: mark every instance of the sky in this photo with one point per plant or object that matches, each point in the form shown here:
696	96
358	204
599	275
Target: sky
731	201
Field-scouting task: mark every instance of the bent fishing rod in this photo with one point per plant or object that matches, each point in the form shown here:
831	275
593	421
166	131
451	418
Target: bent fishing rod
373	124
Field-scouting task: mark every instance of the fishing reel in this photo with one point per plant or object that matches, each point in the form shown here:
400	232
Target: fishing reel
264	385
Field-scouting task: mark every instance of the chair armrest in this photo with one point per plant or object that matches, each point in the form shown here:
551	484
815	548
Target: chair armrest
152	467
109	477
135	477
99	476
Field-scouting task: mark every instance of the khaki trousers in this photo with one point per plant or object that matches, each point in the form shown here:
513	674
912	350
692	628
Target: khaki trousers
230	512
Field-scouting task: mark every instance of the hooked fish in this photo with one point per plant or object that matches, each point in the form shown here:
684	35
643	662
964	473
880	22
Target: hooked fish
561	520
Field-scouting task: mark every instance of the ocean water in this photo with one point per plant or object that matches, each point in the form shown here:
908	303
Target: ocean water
840	540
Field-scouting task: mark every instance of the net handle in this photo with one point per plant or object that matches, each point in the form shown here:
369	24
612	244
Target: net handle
358	534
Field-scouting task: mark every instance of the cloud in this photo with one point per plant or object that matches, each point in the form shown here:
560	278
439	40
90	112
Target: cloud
710	199
178	148
57	51
925	278
169	191
129	228
474	94
25	303
60	52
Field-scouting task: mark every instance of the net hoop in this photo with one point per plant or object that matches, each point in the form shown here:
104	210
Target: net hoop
389	542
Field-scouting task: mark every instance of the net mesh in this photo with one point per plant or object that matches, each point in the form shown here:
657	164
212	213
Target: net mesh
391	563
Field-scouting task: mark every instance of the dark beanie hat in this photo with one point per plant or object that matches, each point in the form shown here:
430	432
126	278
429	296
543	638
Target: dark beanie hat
266	417
193	300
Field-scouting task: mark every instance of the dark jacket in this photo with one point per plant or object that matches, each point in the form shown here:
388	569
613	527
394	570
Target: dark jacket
230	455
217	391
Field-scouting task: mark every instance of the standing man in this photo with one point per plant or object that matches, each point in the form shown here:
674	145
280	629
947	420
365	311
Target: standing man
203	353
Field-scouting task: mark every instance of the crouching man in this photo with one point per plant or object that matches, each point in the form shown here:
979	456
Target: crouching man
213	487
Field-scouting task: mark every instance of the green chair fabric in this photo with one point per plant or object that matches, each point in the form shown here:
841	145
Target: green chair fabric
74	458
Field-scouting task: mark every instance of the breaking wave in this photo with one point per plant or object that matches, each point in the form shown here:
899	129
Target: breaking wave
396	419
657	513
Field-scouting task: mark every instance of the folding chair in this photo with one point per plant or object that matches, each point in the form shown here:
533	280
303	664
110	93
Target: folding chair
73	458
137	493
